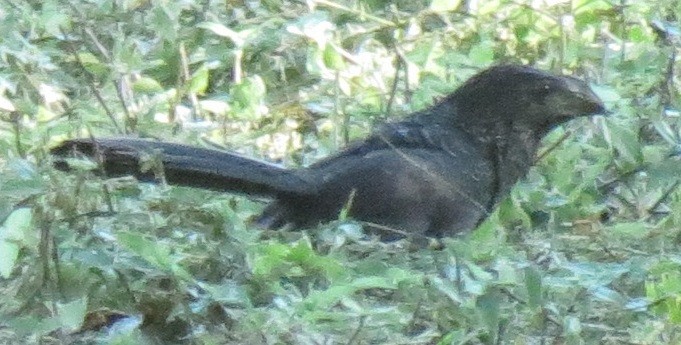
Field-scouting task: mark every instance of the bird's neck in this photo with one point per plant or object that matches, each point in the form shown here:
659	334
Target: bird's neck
510	147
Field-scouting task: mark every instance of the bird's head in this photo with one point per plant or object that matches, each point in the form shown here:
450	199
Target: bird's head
521	94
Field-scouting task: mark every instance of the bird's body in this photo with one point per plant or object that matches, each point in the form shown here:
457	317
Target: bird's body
438	172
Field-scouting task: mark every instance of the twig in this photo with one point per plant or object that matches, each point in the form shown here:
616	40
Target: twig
362	14
663	197
396	79
553	146
184	62
118	84
90	82
15	119
100	163
355	334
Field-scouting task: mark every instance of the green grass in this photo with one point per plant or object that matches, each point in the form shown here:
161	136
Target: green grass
585	251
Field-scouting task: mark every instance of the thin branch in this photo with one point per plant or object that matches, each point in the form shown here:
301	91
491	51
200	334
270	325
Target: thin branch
553	146
91	84
362	14
184	62
355	334
662	198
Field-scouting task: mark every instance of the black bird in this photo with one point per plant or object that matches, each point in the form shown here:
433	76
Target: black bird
438	172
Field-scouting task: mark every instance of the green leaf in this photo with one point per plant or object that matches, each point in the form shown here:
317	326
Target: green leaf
589	6
487	7
270	258
17	224
6	104
444	5
72	314
624	140
590	274
482	54
447	288
533	284
332	58
636	230
92	64
199	81
609	295
15	234
229	292
664	293
9	252
53	19
31	325
572	326
315	26
147	85
164	25
224	31
489	307
512	214
323	299
607	94
154	252
664	173
248	96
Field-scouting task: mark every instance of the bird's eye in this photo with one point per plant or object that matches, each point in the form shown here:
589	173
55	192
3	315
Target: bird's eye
543	90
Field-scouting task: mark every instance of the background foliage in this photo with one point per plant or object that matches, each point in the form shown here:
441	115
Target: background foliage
585	251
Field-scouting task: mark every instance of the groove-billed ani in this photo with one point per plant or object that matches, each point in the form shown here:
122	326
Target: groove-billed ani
438	172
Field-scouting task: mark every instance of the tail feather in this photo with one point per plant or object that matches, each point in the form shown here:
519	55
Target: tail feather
188	166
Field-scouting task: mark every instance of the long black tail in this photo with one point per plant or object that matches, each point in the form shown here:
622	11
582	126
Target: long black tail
187	166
